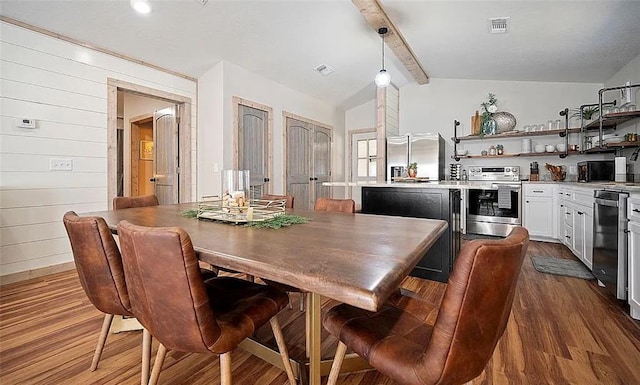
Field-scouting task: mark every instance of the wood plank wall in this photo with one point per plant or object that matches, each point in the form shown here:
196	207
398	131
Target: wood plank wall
64	87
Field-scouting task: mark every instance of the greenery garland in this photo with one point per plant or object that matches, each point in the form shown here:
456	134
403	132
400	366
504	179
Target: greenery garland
190	213
282	220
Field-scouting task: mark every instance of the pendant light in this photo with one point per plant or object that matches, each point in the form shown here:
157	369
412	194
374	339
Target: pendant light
383	78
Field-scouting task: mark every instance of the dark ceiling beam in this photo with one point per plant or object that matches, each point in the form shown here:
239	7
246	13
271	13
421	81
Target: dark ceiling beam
376	17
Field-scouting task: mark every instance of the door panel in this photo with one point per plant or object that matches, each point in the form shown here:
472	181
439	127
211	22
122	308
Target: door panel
299	162
321	161
253	147
165	134
308	162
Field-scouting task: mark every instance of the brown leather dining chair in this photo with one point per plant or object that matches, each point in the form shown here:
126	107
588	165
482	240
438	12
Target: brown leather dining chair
335	205
406	341
120	203
99	266
272	197
183	313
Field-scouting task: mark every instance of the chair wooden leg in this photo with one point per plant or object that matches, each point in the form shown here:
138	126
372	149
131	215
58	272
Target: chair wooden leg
282	347
157	365
225	369
307	327
146	357
106	324
303	297
337	363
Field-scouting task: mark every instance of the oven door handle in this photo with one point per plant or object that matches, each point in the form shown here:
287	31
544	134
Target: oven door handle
512	186
604	202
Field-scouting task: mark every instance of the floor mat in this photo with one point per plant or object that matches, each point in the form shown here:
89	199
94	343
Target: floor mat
560	266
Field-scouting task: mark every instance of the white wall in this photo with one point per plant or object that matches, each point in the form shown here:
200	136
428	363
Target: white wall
629	73
433	108
215	92
64	87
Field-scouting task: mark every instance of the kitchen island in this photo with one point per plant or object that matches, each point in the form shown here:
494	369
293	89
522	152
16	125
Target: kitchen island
422	202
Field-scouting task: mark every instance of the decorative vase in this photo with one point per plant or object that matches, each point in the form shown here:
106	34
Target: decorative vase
505	121
489	127
412	172
235	188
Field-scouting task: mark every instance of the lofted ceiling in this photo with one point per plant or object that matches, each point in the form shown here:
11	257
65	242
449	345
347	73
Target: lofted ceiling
575	41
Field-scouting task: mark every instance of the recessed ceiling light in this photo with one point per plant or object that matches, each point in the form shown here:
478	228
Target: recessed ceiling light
141	6
324	69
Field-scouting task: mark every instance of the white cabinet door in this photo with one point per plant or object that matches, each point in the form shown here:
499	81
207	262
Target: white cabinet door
536	217
587	256
634	269
579	230
538	210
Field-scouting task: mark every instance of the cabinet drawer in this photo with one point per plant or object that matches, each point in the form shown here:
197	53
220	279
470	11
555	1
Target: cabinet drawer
538	190
633	208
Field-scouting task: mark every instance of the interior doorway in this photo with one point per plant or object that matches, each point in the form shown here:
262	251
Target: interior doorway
132	151
142	157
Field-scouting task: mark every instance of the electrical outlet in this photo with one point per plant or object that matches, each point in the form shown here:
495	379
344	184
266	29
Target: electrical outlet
573	170
61	165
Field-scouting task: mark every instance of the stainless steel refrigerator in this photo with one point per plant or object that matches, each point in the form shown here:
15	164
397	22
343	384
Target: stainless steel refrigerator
427	150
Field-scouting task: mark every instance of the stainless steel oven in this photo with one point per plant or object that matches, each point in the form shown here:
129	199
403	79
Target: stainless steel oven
494	206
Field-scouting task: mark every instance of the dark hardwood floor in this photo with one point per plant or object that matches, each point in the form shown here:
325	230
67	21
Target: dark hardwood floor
562	331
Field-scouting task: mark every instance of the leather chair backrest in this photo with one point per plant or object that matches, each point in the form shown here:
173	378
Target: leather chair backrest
271	197
120	203
335	205
168	295
475	309
98	263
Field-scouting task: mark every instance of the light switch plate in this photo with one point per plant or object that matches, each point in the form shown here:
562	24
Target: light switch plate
61	165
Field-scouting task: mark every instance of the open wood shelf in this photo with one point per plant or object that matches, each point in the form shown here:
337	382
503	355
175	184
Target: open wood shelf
611	120
519	134
554	153
612	147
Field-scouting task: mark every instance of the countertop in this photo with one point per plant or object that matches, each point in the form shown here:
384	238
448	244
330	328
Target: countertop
468	185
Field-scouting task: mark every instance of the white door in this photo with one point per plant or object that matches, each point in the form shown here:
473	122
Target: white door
165	155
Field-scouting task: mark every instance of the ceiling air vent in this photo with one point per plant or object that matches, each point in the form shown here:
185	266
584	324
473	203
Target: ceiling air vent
203	2
499	25
324	69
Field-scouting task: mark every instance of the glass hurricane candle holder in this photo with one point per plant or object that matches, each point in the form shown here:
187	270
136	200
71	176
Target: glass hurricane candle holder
235	188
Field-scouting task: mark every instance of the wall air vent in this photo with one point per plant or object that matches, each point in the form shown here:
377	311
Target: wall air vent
203	2
324	69
499	25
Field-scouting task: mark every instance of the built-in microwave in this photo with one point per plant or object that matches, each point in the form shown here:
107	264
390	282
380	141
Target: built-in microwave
596	170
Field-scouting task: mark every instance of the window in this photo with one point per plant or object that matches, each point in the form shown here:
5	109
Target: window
364	155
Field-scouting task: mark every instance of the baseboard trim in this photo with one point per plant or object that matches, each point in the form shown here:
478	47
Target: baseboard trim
36	273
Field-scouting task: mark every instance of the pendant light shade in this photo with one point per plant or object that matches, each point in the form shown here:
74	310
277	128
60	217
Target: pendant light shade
383	78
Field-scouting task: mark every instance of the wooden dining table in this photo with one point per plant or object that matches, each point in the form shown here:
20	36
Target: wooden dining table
358	259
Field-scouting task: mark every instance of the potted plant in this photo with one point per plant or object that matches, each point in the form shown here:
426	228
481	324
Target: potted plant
588	113
488	125
412	170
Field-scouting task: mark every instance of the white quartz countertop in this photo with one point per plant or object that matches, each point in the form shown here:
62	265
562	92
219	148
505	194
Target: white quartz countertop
445	184
470	185
630	187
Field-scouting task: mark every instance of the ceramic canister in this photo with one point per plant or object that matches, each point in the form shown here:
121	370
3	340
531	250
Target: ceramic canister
526	145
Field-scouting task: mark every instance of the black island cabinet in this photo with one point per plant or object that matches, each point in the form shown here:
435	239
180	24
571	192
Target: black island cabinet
422	202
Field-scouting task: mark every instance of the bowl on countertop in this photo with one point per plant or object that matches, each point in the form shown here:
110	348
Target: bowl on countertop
539	148
550	148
